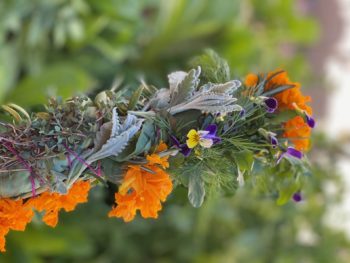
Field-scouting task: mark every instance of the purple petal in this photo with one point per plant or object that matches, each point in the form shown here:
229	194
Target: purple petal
291	152
294	152
280	157
212	129
273	141
271	104
242	113
216	140
183	147
175	140
297	197
310	121
185	150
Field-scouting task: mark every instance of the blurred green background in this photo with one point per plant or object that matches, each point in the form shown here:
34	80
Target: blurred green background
69	47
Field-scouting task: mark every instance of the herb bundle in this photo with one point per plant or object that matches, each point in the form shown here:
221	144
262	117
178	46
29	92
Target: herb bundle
204	131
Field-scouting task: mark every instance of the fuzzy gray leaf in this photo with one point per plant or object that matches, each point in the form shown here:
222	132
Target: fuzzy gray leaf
175	79
120	136
16	183
102	135
115	122
185	89
225	88
208	102
161	99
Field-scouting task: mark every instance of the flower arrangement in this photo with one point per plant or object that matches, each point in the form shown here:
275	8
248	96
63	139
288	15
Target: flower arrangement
205	132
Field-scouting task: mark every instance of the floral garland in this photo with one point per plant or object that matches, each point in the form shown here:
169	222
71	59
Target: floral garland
209	134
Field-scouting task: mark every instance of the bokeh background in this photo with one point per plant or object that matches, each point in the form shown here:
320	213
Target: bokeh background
70	47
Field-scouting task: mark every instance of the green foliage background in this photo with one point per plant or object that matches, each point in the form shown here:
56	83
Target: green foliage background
67	47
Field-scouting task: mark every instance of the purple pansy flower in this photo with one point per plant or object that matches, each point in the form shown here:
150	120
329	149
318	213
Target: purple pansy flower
183	147
270	104
211	135
204	138
290	152
273	141
310	121
297	197
242	113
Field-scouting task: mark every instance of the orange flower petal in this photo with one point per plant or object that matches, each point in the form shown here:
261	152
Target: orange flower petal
142	190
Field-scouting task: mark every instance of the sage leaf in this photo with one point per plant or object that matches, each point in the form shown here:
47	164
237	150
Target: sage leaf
196	190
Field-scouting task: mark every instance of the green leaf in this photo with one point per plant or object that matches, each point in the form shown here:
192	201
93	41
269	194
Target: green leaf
215	69
112	170
135	98
244	160
62	79
286	190
196	189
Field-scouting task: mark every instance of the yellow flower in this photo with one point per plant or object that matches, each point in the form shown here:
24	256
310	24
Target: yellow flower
198	137
193	138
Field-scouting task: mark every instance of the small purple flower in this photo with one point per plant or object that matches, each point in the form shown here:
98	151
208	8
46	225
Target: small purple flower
297	197
273	141
290	152
242	113
270	104
212	130
310	121
183	147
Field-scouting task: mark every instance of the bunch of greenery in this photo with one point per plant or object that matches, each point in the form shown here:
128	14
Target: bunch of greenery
234	132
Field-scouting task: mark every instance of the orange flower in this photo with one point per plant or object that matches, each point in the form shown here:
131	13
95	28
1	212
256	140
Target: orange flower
295	129
14	215
143	190
154	158
298	132
251	80
52	203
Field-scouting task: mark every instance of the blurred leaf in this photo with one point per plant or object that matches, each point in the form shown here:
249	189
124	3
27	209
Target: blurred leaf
196	189
61	79
244	160
8	69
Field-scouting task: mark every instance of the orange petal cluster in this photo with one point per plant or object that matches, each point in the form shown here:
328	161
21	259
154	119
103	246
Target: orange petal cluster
14	215
143	190
52	203
295	129
154	159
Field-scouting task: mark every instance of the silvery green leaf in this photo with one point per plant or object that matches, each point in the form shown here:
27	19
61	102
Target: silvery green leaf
118	140
175	79
16	183
58	185
142	144
103	135
120	136
225	88
77	167
161	99
196	190
209	103
185	89
60	164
